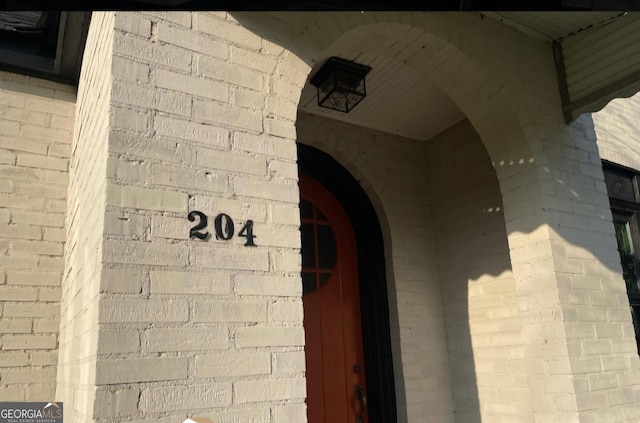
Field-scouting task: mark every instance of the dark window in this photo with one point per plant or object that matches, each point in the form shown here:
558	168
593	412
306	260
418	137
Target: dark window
624	197
318	248
45	44
627	236
29	39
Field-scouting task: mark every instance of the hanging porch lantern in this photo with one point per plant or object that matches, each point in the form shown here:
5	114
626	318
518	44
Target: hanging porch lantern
340	84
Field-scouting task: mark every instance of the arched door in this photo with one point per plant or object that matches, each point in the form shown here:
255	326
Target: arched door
333	329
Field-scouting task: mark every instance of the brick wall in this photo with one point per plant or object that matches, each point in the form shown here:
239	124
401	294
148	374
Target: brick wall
617	131
571	295
36	123
484	340
85	222
190	327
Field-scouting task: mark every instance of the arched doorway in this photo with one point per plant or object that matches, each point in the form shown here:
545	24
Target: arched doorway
377	372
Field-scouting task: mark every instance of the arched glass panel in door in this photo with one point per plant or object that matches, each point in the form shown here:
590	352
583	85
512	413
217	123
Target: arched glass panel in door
318	247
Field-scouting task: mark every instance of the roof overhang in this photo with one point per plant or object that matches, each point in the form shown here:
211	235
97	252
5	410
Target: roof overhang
597	54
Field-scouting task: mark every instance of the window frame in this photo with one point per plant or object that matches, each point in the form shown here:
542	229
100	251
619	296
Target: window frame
64	42
625	211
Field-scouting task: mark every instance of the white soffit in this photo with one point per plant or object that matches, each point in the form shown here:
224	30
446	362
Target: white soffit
550	26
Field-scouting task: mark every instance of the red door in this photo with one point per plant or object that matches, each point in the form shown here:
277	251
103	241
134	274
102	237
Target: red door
333	335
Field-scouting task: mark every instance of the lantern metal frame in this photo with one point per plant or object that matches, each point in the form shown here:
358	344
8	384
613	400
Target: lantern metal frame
340	84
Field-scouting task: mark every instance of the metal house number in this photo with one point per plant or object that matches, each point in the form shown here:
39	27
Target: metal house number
223	226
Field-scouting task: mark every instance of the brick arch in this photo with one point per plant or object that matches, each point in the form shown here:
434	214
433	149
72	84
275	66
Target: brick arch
506	94
461	65
498	90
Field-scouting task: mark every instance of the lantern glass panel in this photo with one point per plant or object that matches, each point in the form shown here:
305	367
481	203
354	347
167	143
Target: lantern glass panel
349	80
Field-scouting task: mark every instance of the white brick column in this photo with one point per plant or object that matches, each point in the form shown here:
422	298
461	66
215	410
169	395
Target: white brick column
85	224
183	326
579	345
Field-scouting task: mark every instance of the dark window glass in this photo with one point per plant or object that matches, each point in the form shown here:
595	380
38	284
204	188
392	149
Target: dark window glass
627	255
308	282
627	239
324	278
308	246
319	253
306	209
622	185
619	185
326	247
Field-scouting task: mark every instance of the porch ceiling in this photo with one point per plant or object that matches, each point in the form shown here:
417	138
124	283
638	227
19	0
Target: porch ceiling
399	101
597	59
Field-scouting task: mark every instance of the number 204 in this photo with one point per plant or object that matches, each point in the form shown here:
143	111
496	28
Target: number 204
223	226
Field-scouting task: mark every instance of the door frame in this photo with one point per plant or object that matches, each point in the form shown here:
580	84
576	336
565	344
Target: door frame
374	302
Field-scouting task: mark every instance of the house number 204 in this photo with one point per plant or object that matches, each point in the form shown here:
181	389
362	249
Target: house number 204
223	226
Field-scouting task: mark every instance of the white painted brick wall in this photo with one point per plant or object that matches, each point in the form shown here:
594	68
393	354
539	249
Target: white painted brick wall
119	403
616	130
84	224
548	251
485	345
222	311
36	124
